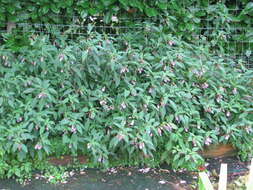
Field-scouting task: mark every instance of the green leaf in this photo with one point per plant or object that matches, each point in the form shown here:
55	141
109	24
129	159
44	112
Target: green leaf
1	101
151	12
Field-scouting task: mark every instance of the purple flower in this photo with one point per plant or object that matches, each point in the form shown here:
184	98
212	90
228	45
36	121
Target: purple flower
141	145
38	147
208	141
124	70
248	129
159	131
120	137
42	95
171	43
177	119
73	129
131	123
123	105
61	57
102	102
150	90
235	91
19	147
19	119
168	127
208	110
140	70
205	85
222	89
173	63
166	79
219	98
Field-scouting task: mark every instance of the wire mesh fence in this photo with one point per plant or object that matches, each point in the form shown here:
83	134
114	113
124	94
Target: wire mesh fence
75	26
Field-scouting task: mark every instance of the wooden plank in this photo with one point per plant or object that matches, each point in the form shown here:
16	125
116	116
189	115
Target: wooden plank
223	177
205	181
250	180
218	150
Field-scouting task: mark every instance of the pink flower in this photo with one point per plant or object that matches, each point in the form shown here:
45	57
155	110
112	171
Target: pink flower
205	85
208	141
235	91
140	70
42	95
102	102
171	43
123	105
141	145
159	131
208	110
168	127
61	57
73	129
38	147
219	98
177	119
173	63
124	70
120	137
19	147
150	90
166	79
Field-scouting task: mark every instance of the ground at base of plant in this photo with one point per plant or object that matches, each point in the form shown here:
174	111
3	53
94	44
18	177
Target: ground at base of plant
148	178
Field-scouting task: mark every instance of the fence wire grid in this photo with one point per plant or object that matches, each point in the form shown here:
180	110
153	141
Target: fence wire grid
234	46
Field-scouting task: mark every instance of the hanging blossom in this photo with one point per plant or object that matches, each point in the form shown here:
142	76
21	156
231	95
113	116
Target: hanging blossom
219	98
227	137
73	129
248	129
205	85
177	119
209	110
141	145
61	57
120	137
222	89
171	43
42	95
168	127
123	105
159	131
199	73
235	91
124	70
102	102
38	147
140	70
173	63
228	114
208	141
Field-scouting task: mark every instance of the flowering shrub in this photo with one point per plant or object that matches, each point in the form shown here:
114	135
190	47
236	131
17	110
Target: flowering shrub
142	97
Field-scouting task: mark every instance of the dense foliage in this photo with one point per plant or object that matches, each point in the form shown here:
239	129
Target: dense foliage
141	97
226	24
42	9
